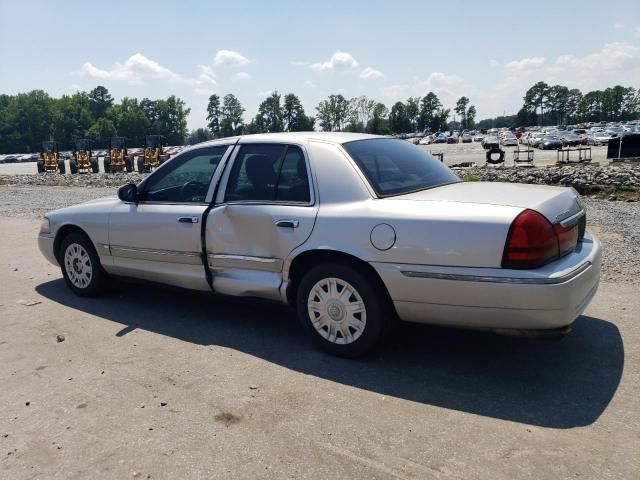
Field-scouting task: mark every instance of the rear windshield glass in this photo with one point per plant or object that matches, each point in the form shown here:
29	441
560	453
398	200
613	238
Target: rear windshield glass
395	166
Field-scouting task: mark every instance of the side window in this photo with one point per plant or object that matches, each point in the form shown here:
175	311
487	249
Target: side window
293	185
268	172
186	179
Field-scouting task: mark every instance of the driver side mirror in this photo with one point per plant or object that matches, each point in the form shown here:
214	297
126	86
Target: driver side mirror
129	193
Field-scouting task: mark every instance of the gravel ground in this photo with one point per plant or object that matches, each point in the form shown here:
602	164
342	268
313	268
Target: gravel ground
617	224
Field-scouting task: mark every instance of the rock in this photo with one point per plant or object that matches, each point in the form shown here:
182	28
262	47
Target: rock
163	404
60	338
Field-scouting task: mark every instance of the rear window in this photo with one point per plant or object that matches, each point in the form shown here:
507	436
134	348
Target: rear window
395	167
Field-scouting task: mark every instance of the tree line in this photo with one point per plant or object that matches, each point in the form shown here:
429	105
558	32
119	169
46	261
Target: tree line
27	119
278	113
545	104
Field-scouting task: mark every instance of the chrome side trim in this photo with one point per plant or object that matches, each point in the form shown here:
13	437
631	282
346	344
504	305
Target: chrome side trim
490	279
572	220
156	255
244	258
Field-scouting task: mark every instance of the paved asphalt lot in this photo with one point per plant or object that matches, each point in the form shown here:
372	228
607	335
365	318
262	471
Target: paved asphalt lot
453	153
158	383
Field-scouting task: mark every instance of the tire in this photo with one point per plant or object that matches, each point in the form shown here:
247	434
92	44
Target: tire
375	317
140	164
73	167
128	164
489	156
61	168
107	165
81	267
95	166
41	168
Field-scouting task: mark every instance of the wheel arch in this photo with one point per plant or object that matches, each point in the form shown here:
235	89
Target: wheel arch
308	259
63	232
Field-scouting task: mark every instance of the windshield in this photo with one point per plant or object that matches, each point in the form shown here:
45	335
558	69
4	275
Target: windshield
152	142
394	167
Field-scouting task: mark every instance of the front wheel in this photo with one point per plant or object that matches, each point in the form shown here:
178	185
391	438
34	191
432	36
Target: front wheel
95	167
81	267
61	167
343	312
73	167
41	168
107	165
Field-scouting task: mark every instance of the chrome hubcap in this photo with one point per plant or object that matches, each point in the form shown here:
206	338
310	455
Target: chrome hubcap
337	311
77	264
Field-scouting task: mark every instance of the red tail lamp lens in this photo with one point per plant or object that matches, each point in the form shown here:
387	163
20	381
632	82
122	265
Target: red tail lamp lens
532	241
567	237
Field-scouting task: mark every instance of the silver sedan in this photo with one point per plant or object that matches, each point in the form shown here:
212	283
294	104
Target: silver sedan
355	231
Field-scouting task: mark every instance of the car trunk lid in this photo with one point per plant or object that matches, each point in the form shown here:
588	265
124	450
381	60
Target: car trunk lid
555	203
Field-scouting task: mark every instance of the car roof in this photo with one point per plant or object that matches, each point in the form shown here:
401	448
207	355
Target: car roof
297	137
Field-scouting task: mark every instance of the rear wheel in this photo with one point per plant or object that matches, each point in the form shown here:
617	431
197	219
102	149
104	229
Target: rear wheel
140	164
344	313
73	166
107	165
95	167
61	168
41	168
81	267
128	164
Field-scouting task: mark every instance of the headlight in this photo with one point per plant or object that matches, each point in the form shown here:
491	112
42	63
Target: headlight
44	226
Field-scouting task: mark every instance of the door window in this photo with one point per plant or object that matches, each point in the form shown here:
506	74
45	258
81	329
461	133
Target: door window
185	179
269	172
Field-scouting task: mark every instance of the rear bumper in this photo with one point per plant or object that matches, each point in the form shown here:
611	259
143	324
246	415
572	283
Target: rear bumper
45	244
550	297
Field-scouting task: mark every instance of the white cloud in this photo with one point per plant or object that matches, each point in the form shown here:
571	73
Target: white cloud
137	69
494	63
613	56
636	34
242	76
229	57
339	61
266	93
439	79
310	84
526	63
618	26
371	74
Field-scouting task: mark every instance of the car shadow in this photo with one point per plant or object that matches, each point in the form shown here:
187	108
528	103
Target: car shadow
550	383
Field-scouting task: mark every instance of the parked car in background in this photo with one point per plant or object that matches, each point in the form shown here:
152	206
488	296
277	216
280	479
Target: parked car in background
508	139
467	138
550	142
490	141
534	138
453	139
478	137
440	138
571	140
599	138
356	231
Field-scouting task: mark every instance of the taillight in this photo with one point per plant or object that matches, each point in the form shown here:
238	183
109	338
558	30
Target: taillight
532	240
567	238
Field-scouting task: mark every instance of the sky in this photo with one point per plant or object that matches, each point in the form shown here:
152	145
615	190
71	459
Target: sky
490	52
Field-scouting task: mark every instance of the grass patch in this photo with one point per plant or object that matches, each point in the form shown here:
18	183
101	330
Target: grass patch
471	178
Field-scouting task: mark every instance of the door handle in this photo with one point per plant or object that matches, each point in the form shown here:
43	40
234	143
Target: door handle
193	219
287	223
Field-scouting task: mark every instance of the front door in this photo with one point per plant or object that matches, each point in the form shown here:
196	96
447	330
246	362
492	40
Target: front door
266	208
159	238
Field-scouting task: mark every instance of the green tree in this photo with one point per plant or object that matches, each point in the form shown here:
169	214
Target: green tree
199	135
536	97
71	118
271	114
413	112
379	123
461	109
99	101
213	115
231	122
471	117
574	98
130	121
428	107
102	130
25	121
295	119
398	119
333	113
360	111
